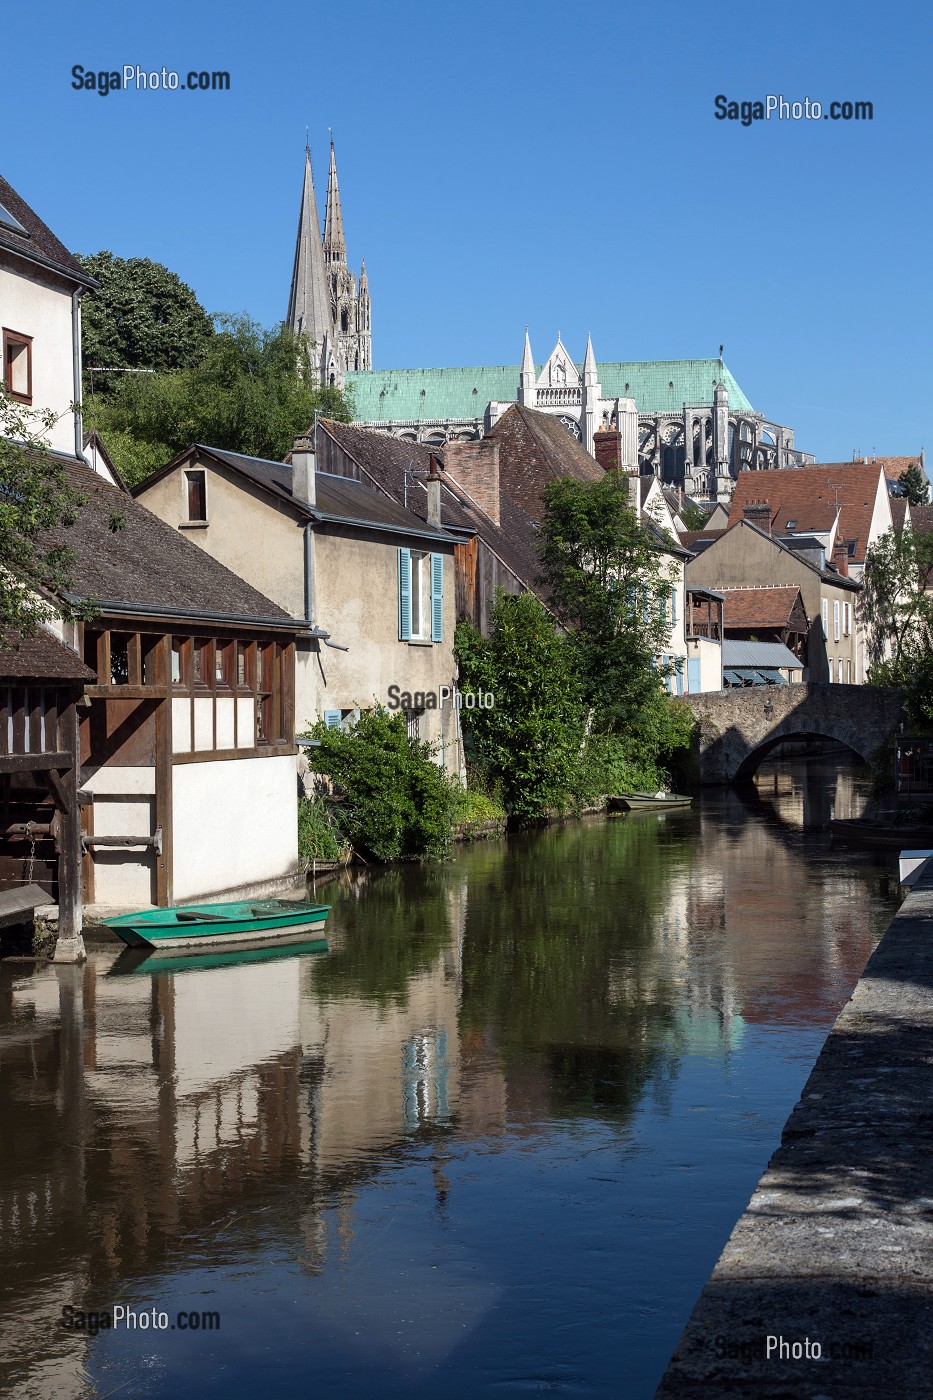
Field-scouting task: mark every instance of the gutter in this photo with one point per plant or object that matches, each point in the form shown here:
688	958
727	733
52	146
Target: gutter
439	536
121	608
84	280
76	360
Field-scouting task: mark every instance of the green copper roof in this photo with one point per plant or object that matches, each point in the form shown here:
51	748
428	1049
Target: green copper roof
657	386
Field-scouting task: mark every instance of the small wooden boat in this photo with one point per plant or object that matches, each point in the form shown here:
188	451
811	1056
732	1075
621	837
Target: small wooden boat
864	831
224	925
648	802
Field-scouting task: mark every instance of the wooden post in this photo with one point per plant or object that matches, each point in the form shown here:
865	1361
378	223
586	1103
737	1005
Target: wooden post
163	773
70	944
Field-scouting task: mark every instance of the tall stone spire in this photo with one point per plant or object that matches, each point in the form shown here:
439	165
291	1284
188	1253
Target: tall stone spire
527	375
589	363
335	248
309	302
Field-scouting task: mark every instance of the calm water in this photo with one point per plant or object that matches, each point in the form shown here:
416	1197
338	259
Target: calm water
492	1143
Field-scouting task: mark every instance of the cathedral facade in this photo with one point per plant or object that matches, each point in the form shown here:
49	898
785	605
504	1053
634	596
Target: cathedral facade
326	304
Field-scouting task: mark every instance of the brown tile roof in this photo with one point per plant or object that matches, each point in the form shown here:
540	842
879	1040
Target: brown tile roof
921	518
693	539
899	512
39	242
810	497
535	448
124	553
760	607
386	460
40	657
893	467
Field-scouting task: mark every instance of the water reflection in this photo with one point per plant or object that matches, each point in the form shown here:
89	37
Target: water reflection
415	1164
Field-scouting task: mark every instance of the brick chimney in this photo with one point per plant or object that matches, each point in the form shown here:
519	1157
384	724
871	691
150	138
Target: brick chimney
607	449
758	513
303	472
433	488
475	467
841	557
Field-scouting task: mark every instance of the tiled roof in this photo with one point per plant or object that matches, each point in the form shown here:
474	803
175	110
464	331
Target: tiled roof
338	498
893	467
759	607
811	497
697	540
921	518
736	653
535	448
39	241
40	657
423	395
125	554
899	506
388	462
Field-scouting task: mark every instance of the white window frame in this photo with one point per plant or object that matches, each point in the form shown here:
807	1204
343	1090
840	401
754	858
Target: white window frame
840	671
836	619
824	609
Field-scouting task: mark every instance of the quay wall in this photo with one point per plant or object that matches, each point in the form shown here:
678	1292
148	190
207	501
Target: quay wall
836	1246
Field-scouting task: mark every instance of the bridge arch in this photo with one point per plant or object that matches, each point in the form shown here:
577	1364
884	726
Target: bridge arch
736	729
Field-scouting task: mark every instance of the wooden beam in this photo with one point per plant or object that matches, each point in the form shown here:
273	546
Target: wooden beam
35	762
124	692
69	849
57	789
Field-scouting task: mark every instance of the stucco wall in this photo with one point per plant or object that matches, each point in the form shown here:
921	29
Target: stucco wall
235	823
40	306
124	805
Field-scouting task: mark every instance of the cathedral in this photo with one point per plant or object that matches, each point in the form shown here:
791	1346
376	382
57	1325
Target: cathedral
686	422
326	304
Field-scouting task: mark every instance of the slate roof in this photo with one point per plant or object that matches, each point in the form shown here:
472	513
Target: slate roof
339	498
768	654
386	460
41	657
423	395
698	540
535	448
759	607
144	561
38	242
811	496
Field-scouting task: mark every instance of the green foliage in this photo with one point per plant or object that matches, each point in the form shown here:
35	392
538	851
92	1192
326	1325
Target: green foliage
530	740
475	807
141	317
251	390
694	516
317	838
899	613
611	585
393	802
914	485
36	503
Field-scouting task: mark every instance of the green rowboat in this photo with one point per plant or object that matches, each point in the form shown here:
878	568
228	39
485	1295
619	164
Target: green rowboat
221	925
648	802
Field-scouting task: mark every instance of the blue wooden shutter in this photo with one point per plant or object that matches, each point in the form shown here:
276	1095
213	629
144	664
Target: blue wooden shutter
332	718
437	597
693	675
673	604
404	595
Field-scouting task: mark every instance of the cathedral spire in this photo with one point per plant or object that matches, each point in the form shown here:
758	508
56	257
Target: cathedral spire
309	305
526	378
589	363
335	248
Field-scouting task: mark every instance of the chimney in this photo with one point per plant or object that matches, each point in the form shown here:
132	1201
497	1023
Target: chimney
607	449
841	558
474	466
303	484
758	513
433	488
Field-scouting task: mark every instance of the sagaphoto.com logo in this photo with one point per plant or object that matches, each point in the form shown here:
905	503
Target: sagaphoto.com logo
132	77
777	107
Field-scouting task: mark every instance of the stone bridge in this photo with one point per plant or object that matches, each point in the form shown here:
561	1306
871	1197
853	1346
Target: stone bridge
737	729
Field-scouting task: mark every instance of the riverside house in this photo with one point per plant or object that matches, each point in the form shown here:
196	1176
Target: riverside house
372	582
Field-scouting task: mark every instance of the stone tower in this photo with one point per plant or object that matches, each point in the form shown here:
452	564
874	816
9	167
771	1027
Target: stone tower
326	305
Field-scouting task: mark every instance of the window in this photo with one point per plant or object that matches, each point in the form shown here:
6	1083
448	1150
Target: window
420	596
849	672
824	612
673	604
196	496
17	365
847	618
836	632
244	666
830	676
839	677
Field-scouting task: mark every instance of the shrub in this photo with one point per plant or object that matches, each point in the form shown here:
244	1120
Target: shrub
317	838
391	801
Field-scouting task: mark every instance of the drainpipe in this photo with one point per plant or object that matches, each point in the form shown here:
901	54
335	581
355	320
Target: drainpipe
76	360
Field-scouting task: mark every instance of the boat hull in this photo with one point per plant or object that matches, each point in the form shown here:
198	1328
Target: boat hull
219	925
870	833
647	802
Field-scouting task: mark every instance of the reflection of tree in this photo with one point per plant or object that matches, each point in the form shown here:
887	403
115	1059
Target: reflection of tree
395	931
558	957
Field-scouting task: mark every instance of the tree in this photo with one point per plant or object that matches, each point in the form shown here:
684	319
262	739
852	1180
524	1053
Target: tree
35	498
914	485
693	515
251	391
530	739
141	317
898	608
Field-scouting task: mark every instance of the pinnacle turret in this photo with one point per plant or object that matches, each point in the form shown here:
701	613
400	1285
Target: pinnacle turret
335	247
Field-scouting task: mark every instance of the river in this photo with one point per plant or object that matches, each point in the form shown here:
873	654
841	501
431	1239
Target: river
492	1142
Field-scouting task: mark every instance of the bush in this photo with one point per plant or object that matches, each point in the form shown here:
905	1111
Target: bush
391	801
317	838
474	807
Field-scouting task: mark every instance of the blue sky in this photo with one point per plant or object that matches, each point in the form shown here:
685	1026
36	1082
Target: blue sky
525	163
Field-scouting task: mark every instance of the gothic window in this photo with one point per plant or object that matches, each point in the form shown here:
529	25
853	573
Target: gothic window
344	323
572	426
560	374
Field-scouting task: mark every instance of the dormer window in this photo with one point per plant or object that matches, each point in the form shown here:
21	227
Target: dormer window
17	365
791	524
196	495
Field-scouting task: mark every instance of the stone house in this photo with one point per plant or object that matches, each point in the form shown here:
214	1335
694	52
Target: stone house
746	557
372	583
